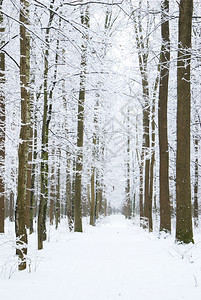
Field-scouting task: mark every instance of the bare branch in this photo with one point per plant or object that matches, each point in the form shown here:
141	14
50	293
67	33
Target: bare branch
81	3
8	42
11	58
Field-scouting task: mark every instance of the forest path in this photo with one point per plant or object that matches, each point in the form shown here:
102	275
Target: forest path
114	260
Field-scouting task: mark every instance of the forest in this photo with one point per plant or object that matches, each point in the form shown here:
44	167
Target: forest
99	115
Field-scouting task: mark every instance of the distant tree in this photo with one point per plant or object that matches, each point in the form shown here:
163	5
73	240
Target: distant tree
184	232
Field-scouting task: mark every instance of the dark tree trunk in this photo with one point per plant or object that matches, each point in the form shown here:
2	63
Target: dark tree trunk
184	232
80	128
165	215
20	212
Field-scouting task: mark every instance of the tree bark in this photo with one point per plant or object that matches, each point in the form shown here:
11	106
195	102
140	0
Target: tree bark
58	200
69	194
128	194
33	203
92	202
142	45
80	128
152	161
47	110
165	215
184	232
20	212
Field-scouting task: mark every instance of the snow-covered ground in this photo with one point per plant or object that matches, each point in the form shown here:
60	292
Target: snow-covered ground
114	260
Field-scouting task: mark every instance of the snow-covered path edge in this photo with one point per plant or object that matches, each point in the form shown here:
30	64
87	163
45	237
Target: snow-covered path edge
114	260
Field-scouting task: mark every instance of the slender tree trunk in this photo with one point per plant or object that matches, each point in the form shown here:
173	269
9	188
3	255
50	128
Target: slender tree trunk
80	128
45	137
2	124
165	214
69	197
146	143
184	232
152	161
195	206
73	190
141	188
52	190
20	212
29	141
69	194
92	202
94	171
98	194
11	207
33	176
58	201
29	178
128	194
143	45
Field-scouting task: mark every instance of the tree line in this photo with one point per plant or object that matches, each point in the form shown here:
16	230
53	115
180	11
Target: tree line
64	69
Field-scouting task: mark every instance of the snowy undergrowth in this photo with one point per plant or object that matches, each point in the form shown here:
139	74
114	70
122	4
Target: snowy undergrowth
114	260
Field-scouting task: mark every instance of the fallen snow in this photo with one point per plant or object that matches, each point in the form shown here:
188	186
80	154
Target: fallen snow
114	260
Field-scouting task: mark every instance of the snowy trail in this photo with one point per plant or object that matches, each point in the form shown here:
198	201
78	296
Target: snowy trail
115	260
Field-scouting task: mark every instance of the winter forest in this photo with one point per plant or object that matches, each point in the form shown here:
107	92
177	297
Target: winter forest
100	129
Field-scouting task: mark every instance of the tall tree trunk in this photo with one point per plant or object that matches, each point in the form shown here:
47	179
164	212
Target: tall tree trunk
69	197
94	171
2	124
165	215
33	204
47	110
80	127
29	142
152	161
184	232
20	212
146	138
142	46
